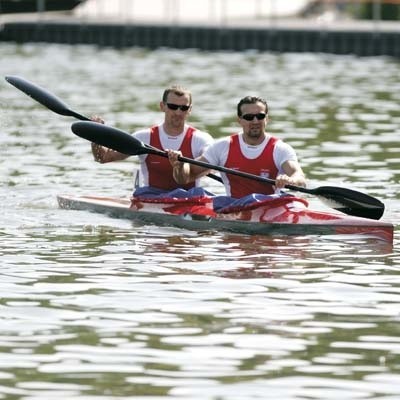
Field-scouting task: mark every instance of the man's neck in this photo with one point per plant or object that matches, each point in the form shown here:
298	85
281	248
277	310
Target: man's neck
253	141
173	131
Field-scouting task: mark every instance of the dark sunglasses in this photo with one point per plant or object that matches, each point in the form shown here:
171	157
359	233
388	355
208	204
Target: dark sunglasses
174	107
250	117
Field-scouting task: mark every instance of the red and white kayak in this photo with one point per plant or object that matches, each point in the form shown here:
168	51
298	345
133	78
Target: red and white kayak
275	217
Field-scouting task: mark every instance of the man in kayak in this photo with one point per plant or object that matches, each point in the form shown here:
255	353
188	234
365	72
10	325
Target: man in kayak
174	133
252	150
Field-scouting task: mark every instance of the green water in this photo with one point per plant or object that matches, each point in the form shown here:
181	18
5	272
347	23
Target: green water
97	308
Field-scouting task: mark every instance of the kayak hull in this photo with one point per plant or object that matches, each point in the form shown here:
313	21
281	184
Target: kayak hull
299	222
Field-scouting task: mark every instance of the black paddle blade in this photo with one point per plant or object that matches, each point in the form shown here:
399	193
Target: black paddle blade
39	94
110	137
351	202
43	97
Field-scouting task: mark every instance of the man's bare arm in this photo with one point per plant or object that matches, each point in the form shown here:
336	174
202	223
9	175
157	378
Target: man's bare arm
102	154
293	175
184	172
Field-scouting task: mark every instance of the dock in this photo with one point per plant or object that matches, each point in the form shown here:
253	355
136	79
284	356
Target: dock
360	38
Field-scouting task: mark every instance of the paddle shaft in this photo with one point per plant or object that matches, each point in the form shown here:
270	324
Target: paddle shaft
55	104
78	116
345	200
227	170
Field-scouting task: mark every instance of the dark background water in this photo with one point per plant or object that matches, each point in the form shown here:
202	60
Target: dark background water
93	307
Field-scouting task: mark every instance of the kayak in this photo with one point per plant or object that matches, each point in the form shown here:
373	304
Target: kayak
278	217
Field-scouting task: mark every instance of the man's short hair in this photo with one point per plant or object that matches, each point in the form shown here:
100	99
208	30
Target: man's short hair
251	100
178	90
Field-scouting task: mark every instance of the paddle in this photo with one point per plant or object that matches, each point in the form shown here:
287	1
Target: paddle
44	97
53	103
345	200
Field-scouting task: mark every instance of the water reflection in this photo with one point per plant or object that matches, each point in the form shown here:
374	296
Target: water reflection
98	307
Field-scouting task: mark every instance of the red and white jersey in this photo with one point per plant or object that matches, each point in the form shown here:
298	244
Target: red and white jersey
265	159
156	171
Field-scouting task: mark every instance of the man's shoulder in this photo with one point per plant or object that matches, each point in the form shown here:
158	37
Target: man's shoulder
198	133
221	143
143	135
143	131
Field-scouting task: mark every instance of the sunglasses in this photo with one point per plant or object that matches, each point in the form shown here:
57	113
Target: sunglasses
250	117
174	107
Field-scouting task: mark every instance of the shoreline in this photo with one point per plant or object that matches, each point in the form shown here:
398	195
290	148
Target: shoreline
361	38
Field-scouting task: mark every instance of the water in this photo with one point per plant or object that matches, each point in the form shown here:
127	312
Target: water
97	308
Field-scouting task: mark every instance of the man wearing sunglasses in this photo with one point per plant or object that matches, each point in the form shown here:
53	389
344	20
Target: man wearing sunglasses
174	134
252	150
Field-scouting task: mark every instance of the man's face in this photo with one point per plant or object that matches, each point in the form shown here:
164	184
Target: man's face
253	120
174	115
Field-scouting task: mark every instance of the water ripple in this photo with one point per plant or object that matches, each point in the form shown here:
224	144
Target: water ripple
99	308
